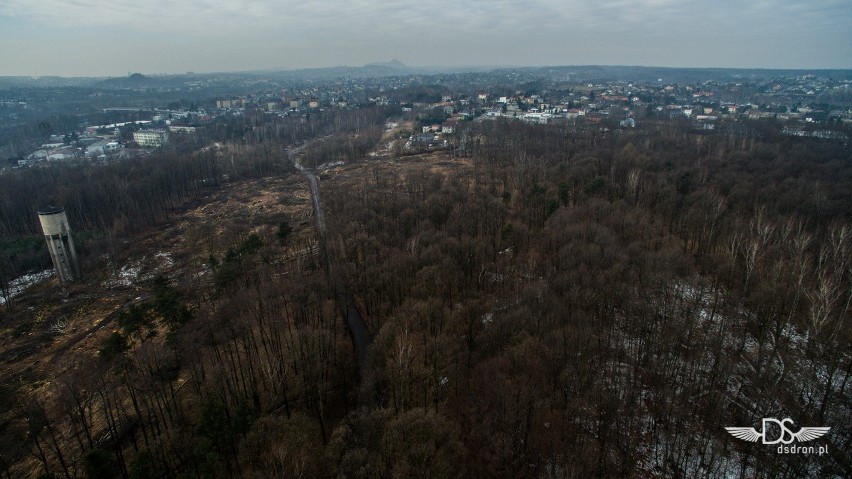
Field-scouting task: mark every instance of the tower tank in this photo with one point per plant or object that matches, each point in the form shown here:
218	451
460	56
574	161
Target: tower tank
57	233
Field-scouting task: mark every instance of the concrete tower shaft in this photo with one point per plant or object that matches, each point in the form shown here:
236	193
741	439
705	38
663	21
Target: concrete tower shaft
57	233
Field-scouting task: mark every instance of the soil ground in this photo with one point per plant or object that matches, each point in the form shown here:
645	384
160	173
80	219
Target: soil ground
54	329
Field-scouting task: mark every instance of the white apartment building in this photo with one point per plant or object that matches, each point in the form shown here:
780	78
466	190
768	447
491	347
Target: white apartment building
152	138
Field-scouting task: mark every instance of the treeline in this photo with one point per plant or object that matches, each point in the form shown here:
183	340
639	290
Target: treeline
256	127
342	147
605	303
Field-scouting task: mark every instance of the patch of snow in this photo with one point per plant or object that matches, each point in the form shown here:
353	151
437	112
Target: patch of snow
494	277
18	285
333	164
59	326
165	258
214	146
128	274
797	339
142	269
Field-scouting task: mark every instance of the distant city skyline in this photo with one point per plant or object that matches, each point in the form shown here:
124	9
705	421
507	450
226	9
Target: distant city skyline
112	38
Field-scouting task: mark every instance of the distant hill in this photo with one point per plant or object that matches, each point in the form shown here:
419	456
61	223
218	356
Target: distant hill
391	68
396	64
397	68
134	80
44	81
667	74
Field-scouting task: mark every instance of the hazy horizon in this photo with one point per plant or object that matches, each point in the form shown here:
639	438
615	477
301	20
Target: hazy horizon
418	68
97	38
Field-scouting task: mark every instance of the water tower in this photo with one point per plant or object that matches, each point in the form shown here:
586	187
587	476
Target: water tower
54	223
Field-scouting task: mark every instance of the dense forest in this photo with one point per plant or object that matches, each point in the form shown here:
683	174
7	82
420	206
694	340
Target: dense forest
604	304
543	302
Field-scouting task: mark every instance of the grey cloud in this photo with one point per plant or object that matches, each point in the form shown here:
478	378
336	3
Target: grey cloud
315	33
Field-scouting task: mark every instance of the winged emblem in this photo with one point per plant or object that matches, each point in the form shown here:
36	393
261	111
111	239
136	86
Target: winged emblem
745	433
811	433
787	436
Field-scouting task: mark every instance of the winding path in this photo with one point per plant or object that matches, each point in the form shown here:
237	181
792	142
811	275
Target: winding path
315	199
354	322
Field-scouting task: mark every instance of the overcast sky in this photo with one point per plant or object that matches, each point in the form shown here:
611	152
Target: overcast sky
114	37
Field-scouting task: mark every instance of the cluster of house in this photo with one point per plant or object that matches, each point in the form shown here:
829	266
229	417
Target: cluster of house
55	149
99	142
624	104
613	102
283	104
703	104
541	110
607	103
61	148
434	134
